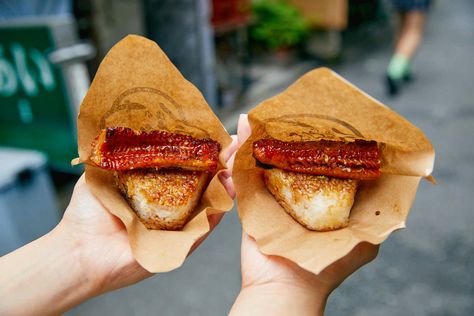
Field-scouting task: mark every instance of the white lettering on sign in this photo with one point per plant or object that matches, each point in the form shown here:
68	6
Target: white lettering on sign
24	75
8	82
25	111
44	69
16	73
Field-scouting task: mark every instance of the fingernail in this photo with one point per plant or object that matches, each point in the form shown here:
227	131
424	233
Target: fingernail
224	175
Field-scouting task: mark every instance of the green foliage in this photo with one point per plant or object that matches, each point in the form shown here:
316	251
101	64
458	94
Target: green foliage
278	24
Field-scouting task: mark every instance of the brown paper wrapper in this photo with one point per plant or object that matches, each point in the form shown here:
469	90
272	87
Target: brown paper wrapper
137	86
323	105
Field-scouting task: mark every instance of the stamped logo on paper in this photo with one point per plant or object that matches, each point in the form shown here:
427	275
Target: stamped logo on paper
309	127
152	109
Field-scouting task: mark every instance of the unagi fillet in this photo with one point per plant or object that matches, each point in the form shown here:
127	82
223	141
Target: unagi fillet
355	160
162	199
121	148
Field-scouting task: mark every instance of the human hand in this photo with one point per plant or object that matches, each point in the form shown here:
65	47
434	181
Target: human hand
86	254
274	285
102	238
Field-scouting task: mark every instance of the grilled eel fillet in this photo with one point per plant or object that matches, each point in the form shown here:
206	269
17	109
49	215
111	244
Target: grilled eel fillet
162	199
162	175
356	160
121	148
316	182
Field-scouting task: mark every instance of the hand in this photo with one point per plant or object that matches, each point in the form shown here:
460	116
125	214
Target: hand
87	254
103	240
271	282
274	285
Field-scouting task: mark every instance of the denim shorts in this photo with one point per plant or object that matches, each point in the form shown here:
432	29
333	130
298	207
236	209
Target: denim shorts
411	5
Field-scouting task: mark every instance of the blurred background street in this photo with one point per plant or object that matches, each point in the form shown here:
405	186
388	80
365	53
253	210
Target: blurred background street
424	269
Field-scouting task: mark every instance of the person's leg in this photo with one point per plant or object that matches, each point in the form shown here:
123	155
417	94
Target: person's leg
401	17
408	39
411	34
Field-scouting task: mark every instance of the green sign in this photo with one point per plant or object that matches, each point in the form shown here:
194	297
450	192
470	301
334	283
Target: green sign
35	112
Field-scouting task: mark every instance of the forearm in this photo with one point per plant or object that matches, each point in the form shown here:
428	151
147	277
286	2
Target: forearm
277	299
43	277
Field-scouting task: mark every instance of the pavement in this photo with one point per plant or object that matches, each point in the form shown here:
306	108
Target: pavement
425	269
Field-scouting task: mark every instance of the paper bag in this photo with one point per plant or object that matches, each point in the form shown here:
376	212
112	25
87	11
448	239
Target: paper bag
137	86
322	105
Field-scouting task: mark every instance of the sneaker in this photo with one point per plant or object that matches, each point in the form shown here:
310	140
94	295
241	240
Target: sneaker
408	77
393	85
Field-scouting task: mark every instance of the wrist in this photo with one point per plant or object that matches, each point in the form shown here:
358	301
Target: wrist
47	273
277	298
102	260
74	284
